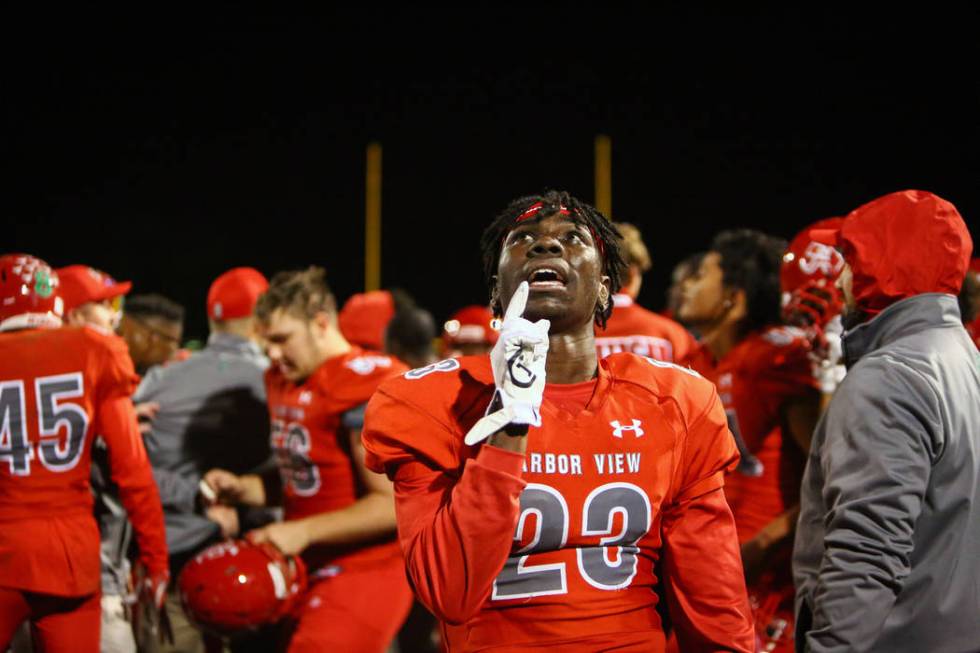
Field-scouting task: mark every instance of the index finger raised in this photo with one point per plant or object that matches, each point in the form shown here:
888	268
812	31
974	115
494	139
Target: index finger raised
515	308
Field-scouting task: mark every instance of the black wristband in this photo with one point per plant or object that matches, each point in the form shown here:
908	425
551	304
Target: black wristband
516	430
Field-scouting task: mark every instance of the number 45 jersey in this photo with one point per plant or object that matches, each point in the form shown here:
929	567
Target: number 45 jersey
59	388
618	497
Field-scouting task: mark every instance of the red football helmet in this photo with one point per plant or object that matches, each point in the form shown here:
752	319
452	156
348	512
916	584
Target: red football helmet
236	586
808	277
29	294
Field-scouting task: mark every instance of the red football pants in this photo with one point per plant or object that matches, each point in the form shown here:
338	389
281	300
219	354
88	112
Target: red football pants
59	624
356	611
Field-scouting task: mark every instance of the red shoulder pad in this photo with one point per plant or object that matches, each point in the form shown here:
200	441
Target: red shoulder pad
354	378
424	413
664	380
781	352
117	376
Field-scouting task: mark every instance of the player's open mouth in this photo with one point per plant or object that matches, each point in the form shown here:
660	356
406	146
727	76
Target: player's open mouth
546	278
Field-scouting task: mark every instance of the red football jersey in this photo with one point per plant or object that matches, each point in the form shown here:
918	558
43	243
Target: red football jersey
58	389
632	328
311	426
754	381
560	547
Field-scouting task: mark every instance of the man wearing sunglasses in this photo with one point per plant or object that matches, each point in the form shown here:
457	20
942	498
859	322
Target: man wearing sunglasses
92	297
152	326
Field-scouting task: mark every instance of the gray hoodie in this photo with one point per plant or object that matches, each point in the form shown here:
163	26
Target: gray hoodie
887	554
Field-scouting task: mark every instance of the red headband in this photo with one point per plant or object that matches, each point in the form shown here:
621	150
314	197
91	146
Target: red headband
532	210
537	206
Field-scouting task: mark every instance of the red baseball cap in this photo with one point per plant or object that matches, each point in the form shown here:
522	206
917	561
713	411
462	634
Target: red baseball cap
902	244
234	293
472	324
81	284
365	316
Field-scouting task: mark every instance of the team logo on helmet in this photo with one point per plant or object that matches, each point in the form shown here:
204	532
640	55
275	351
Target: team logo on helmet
42	283
821	258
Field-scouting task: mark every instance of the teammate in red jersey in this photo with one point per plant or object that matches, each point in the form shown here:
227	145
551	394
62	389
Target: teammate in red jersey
633	328
58	388
812	301
338	514
549	537
763	375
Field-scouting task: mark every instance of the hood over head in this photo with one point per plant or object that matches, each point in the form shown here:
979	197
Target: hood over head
902	244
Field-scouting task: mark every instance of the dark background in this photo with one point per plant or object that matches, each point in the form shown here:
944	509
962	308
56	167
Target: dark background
166	149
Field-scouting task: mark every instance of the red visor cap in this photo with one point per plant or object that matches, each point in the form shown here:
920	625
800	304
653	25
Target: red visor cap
902	244
234	294
473	324
365	316
81	284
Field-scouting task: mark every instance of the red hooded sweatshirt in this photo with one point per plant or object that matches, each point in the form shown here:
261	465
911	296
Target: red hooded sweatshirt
902	244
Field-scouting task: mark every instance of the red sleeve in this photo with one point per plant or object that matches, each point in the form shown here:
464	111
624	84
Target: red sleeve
457	534
456	528
117	378
702	563
708	451
703	577
130	470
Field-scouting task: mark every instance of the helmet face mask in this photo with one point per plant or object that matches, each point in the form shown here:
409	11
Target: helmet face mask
29	293
236	586
808	278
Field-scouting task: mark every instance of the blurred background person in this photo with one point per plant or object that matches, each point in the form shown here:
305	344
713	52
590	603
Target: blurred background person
763	375
152	327
339	516
80	380
94	299
631	327
675	291
212	411
471	331
364	316
410	337
812	302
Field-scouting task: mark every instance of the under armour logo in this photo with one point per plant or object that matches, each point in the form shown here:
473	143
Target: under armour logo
619	428
306	397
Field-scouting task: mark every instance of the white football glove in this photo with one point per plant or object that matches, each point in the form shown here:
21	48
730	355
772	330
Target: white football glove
829	371
518	362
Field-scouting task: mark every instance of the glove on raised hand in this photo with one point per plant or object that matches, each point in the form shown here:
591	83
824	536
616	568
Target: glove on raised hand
518	361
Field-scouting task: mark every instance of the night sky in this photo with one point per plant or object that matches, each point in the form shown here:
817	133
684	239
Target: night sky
168	149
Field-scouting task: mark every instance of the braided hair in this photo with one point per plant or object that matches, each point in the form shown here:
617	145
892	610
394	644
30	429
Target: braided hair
607	237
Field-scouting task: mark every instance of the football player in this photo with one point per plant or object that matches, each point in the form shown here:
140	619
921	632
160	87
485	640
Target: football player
538	487
58	389
94	299
762	370
812	301
338	514
632	327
